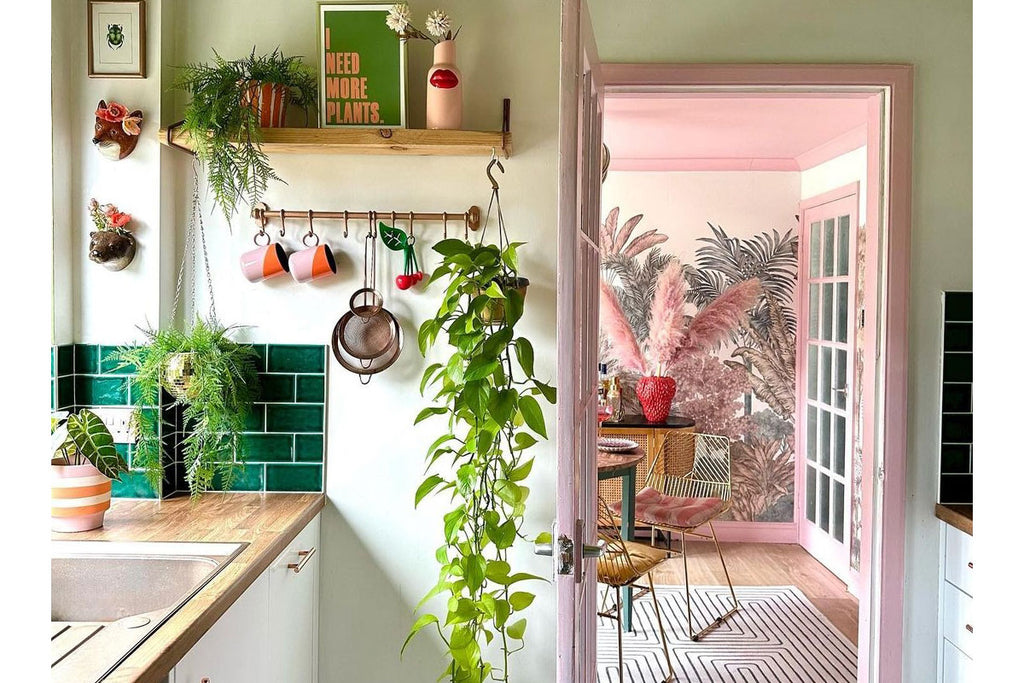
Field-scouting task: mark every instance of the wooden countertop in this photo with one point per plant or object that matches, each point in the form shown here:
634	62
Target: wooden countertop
958	516
267	522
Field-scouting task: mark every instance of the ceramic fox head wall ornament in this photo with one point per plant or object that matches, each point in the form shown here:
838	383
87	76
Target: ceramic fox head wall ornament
117	130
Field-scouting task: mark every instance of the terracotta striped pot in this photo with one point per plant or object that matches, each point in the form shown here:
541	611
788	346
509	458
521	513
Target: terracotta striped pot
79	496
270	100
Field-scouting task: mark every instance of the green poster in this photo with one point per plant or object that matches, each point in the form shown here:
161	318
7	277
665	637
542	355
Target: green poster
362	68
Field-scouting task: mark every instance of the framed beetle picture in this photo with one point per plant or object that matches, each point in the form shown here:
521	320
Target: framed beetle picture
362	68
117	38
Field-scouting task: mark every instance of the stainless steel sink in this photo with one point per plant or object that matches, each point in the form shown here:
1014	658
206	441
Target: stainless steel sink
108	597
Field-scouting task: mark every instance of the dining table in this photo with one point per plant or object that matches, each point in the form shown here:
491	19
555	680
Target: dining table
623	466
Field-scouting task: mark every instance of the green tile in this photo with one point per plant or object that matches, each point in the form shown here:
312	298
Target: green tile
87	359
110	365
65	393
294	478
266	447
132	485
244	478
255	420
53	361
261	362
277	388
309	388
295	418
65	360
309	447
295	358
101	391
53	395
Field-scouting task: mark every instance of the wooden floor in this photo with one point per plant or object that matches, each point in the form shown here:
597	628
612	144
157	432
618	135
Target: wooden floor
767	564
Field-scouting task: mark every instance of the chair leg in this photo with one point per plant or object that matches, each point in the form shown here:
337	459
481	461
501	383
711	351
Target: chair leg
618	628
686	581
664	640
719	620
728	579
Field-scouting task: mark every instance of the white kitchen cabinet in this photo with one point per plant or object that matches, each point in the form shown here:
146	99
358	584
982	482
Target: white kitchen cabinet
293	608
269	635
956	613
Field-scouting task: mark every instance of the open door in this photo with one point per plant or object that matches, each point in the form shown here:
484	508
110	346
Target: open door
579	200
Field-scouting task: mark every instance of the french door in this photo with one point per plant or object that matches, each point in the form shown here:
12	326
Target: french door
579	199
828	267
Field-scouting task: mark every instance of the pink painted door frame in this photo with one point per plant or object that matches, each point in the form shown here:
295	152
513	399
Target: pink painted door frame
893	83
579	207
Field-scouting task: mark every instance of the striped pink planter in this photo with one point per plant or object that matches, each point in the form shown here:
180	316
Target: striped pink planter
79	496
270	100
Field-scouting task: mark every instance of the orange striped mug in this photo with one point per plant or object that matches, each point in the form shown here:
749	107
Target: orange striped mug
312	263
79	497
264	262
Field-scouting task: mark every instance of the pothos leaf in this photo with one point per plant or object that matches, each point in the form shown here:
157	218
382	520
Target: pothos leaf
532	414
394	239
428	485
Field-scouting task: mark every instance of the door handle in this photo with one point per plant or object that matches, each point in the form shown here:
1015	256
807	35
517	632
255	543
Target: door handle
563	553
304	557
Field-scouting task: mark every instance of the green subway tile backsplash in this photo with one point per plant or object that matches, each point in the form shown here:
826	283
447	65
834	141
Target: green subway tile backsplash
309	388
283	417
277	388
87	359
100	391
283	440
295	358
267	447
309	447
294	478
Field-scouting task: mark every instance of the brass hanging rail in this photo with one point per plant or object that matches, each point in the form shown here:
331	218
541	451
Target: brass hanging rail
469	218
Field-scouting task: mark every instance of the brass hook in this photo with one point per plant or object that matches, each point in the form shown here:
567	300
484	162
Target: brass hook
309	213
412	217
444	217
346	223
282	222
491	164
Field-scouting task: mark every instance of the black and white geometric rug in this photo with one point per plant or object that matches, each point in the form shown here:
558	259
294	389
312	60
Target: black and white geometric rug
777	635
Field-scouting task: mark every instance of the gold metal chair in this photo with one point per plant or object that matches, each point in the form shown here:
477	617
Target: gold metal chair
623	564
682	504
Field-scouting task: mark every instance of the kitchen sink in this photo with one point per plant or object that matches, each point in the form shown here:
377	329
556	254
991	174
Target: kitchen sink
107	597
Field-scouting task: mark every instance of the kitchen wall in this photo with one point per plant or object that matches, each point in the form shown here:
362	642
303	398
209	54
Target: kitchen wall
747	206
378	552
935	36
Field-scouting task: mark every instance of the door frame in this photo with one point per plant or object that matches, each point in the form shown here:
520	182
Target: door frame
895	84
850	190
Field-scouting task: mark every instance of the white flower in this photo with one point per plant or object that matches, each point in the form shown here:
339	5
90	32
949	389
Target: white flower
398	17
438	23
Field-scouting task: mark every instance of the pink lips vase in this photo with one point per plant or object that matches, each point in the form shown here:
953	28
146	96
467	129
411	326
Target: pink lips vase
655	395
444	89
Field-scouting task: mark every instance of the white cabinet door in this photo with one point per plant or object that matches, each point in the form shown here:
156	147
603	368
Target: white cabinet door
235	649
956	666
294	596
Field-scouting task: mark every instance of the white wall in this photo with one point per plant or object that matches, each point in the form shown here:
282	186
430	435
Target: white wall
844	169
935	36
378	552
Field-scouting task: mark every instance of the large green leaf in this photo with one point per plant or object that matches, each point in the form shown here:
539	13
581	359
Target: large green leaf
428	485
424	620
524	353
531	412
93	442
394	239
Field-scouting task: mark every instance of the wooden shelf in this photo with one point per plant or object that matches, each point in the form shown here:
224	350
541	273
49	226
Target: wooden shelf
397	141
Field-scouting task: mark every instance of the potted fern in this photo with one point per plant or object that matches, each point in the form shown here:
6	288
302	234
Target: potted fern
83	463
231	101
213	379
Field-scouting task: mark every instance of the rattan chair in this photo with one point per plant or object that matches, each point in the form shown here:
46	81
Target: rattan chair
622	564
682	504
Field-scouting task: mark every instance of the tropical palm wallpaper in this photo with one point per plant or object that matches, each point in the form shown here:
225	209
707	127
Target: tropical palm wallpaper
746	388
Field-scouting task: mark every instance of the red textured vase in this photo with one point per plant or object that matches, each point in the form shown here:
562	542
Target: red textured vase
655	395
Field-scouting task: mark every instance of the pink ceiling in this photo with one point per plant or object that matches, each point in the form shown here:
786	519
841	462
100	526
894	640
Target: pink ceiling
731	131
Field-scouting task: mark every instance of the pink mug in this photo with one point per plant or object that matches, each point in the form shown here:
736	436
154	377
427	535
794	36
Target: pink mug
312	263
264	262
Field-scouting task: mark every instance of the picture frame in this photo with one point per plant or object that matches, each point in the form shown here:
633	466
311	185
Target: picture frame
117	38
363	76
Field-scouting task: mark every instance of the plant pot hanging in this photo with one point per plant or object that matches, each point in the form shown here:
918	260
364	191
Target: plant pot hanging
509	281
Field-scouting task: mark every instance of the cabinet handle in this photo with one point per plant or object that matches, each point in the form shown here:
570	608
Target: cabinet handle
970	629
304	556
970	565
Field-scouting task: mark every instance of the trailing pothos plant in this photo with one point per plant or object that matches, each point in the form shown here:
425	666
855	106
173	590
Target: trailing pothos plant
480	461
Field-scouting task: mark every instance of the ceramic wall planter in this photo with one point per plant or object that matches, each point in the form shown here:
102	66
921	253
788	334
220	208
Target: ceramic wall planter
113	249
79	497
444	89
495	310
655	395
